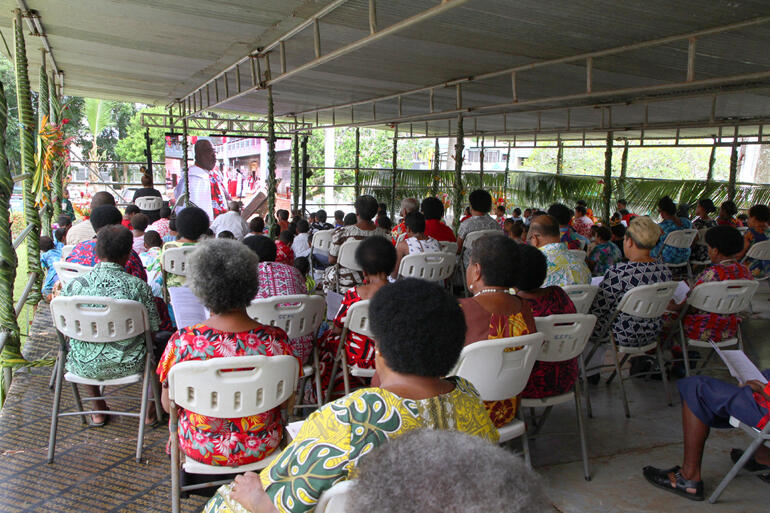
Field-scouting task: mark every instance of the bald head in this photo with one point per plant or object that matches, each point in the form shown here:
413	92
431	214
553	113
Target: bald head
205	156
102	198
544	229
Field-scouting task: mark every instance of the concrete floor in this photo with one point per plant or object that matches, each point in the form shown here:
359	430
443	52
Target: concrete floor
619	448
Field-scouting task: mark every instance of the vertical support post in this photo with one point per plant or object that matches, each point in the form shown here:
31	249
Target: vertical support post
394	172
185	165
148	153
559	157
691	60
304	158
733	170
623	171
357	164
57	180
607	189
459	191
436	164
43	115
271	182
27	150
481	162
712	161
295	182
507	169
372	16
12	348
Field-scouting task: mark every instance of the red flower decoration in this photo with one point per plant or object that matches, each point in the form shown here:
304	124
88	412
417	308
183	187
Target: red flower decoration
65	121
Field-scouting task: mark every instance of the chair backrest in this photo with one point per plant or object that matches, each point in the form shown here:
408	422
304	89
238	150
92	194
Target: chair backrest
298	315
566	335
66	271
234	386
67	251
496	373
149	202
474	236
174	260
582	296
357	319
647	301
681	238
743	229
99	319
448	247
759	251
347	255
335	498
723	297
436	266
322	241
579	253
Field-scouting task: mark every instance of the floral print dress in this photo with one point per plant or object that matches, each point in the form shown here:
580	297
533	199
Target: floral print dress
759	268
604	255
700	250
229	442
670	254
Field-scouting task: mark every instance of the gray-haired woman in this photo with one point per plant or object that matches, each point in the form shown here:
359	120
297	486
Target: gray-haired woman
223	274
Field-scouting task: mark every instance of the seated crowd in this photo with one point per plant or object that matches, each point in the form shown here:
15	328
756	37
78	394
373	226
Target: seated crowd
515	274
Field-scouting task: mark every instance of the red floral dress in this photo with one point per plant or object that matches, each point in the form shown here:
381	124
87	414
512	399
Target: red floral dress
704	326
359	349
228	442
551	378
283	253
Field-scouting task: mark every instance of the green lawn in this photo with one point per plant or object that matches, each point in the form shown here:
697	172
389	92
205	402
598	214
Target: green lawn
25	318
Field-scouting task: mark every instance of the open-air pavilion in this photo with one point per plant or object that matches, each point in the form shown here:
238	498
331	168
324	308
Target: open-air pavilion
615	75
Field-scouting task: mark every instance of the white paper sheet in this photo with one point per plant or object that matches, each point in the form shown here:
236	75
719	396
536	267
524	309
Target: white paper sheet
596	280
680	294
188	309
333	303
292	428
739	365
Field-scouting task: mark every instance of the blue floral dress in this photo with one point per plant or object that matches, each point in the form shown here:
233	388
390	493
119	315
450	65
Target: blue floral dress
668	254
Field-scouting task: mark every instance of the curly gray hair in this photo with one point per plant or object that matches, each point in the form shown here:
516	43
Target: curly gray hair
447	471
223	274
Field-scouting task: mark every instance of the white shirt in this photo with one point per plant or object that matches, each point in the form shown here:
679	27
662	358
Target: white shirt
80	232
301	246
200	190
232	222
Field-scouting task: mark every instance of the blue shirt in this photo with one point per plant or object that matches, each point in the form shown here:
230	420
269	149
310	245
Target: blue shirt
47	259
668	254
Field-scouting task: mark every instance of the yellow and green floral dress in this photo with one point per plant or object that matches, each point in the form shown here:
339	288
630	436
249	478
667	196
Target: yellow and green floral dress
332	439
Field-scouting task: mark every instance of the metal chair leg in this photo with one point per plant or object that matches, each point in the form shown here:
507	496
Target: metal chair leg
661	365
175	492
143	411
620	378
747	454
53	375
345	373
55	407
581	428
685	352
317	377
582	375
525	443
79	402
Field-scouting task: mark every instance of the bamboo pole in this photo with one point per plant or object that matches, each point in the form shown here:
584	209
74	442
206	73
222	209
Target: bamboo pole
712	161
733	171
12	346
560	158
57	180
459	191
436	164
43	111
393	176
481	164
507	169
607	188
295	171
623	171
304	159
357	164
271	182
27	151
185	165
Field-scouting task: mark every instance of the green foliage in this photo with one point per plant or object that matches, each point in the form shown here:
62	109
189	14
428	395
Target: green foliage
8	78
130	148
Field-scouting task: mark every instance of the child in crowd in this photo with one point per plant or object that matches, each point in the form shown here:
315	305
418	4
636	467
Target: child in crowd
759	216
65	223
301	244
339	218
302	264
50	254
351	219
171	237
382	222
581	222
605	253
283	219
128	215
284	254
727	212
225	234
500	215
618	236
517	215
139	222
514	230
257	226
151	260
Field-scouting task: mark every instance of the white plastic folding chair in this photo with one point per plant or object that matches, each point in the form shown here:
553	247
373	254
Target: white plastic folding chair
321	242
448	247
565	338
700	240
174	261
500	369
225	388
644	302
357	321
729	297
758	438
100	320
346	258
579	253
681	239
66	251
67	271
468	245
149	203
582	296
298	315
759	251
437	266
334	500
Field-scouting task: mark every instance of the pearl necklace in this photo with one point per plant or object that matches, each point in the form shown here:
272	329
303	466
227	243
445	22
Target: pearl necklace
490	291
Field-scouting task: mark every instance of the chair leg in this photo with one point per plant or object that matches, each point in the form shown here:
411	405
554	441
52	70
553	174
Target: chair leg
581	429
317	377
79	402
661	364
685	351
345	373
747	454
143	410
620	378
53	375
55	407
175	492
582	375
525	443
